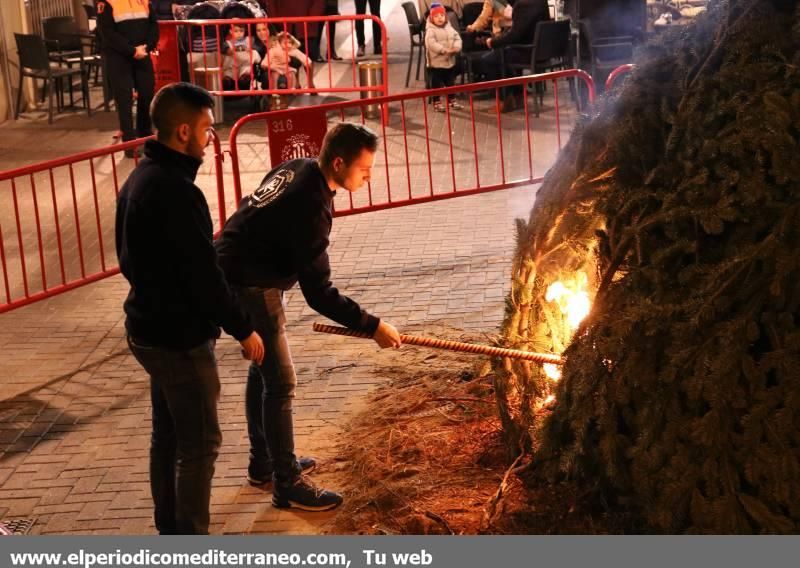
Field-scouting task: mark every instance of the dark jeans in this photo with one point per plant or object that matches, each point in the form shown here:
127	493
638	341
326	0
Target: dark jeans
184	389
331	9
443	77
375	10
124	75
490	64
270	386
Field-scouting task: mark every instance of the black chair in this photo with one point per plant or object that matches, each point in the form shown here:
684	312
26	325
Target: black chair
551	50
34	62
96	51
91	15
604	53
416	33
69	46
62	36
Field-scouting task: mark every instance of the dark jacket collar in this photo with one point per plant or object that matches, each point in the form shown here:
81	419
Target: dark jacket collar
162	154
318	168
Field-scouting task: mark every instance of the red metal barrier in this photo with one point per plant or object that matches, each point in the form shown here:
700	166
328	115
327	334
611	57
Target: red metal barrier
208	67
617	73
57	222
55	240
468	150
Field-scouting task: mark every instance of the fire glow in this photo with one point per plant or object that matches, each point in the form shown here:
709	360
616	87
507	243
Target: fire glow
572	297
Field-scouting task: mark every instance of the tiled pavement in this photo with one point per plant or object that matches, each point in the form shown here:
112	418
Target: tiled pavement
74	415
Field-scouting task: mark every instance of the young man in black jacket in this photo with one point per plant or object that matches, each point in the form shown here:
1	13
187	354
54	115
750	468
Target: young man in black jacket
278	237
177	300
129	31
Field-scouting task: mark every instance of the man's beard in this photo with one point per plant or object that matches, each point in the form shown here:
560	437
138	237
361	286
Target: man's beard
195	149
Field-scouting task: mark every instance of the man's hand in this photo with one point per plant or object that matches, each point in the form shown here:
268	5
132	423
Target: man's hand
141	52
387	335
489	43
470	28
253	348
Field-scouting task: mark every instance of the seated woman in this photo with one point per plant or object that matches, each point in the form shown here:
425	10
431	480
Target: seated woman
495	11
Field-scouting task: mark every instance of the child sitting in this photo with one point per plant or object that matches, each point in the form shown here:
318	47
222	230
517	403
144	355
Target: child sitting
284	48
240	55
442	43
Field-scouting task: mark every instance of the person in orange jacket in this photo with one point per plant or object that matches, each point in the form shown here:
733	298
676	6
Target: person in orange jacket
130	33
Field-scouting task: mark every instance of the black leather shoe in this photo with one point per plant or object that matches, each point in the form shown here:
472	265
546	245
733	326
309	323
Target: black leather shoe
336	57
317	59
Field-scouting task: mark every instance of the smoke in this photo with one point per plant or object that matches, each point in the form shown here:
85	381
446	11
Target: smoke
610	17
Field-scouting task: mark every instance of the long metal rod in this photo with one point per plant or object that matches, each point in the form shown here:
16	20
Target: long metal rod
451	345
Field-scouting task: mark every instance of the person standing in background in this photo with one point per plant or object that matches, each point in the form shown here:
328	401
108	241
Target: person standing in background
375	10
130	33
442	46
331	9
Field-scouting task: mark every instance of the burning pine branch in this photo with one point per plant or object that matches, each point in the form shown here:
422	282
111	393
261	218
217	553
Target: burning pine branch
680	202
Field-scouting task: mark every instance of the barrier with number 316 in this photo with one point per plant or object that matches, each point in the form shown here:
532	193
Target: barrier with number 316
296	136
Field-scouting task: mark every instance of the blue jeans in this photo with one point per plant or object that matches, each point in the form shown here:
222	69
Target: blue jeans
270	387
184	390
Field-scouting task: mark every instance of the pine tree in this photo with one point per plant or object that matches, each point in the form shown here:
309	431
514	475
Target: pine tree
680	199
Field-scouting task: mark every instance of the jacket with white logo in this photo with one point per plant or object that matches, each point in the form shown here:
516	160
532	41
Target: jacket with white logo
280	235
124	24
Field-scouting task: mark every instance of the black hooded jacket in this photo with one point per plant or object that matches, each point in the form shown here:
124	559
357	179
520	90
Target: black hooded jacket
178	295
280	236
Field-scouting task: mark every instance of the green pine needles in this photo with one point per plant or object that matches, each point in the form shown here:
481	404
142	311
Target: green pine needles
680	199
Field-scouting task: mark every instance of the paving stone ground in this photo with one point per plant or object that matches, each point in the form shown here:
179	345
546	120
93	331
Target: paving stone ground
74	408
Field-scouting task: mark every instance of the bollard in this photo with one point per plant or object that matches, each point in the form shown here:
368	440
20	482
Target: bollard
370	74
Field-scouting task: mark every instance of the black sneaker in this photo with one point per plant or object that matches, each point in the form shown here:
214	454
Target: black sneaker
301	493
262	477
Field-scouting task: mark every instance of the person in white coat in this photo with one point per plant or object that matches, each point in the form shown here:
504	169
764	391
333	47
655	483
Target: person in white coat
442	45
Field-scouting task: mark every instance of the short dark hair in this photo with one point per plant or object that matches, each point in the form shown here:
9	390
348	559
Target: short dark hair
176	104
346	141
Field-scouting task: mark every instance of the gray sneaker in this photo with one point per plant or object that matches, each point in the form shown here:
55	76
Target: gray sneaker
302	493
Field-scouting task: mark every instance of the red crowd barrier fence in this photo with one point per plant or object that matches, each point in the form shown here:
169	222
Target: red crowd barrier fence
618	74
57	217
57	221
424	155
